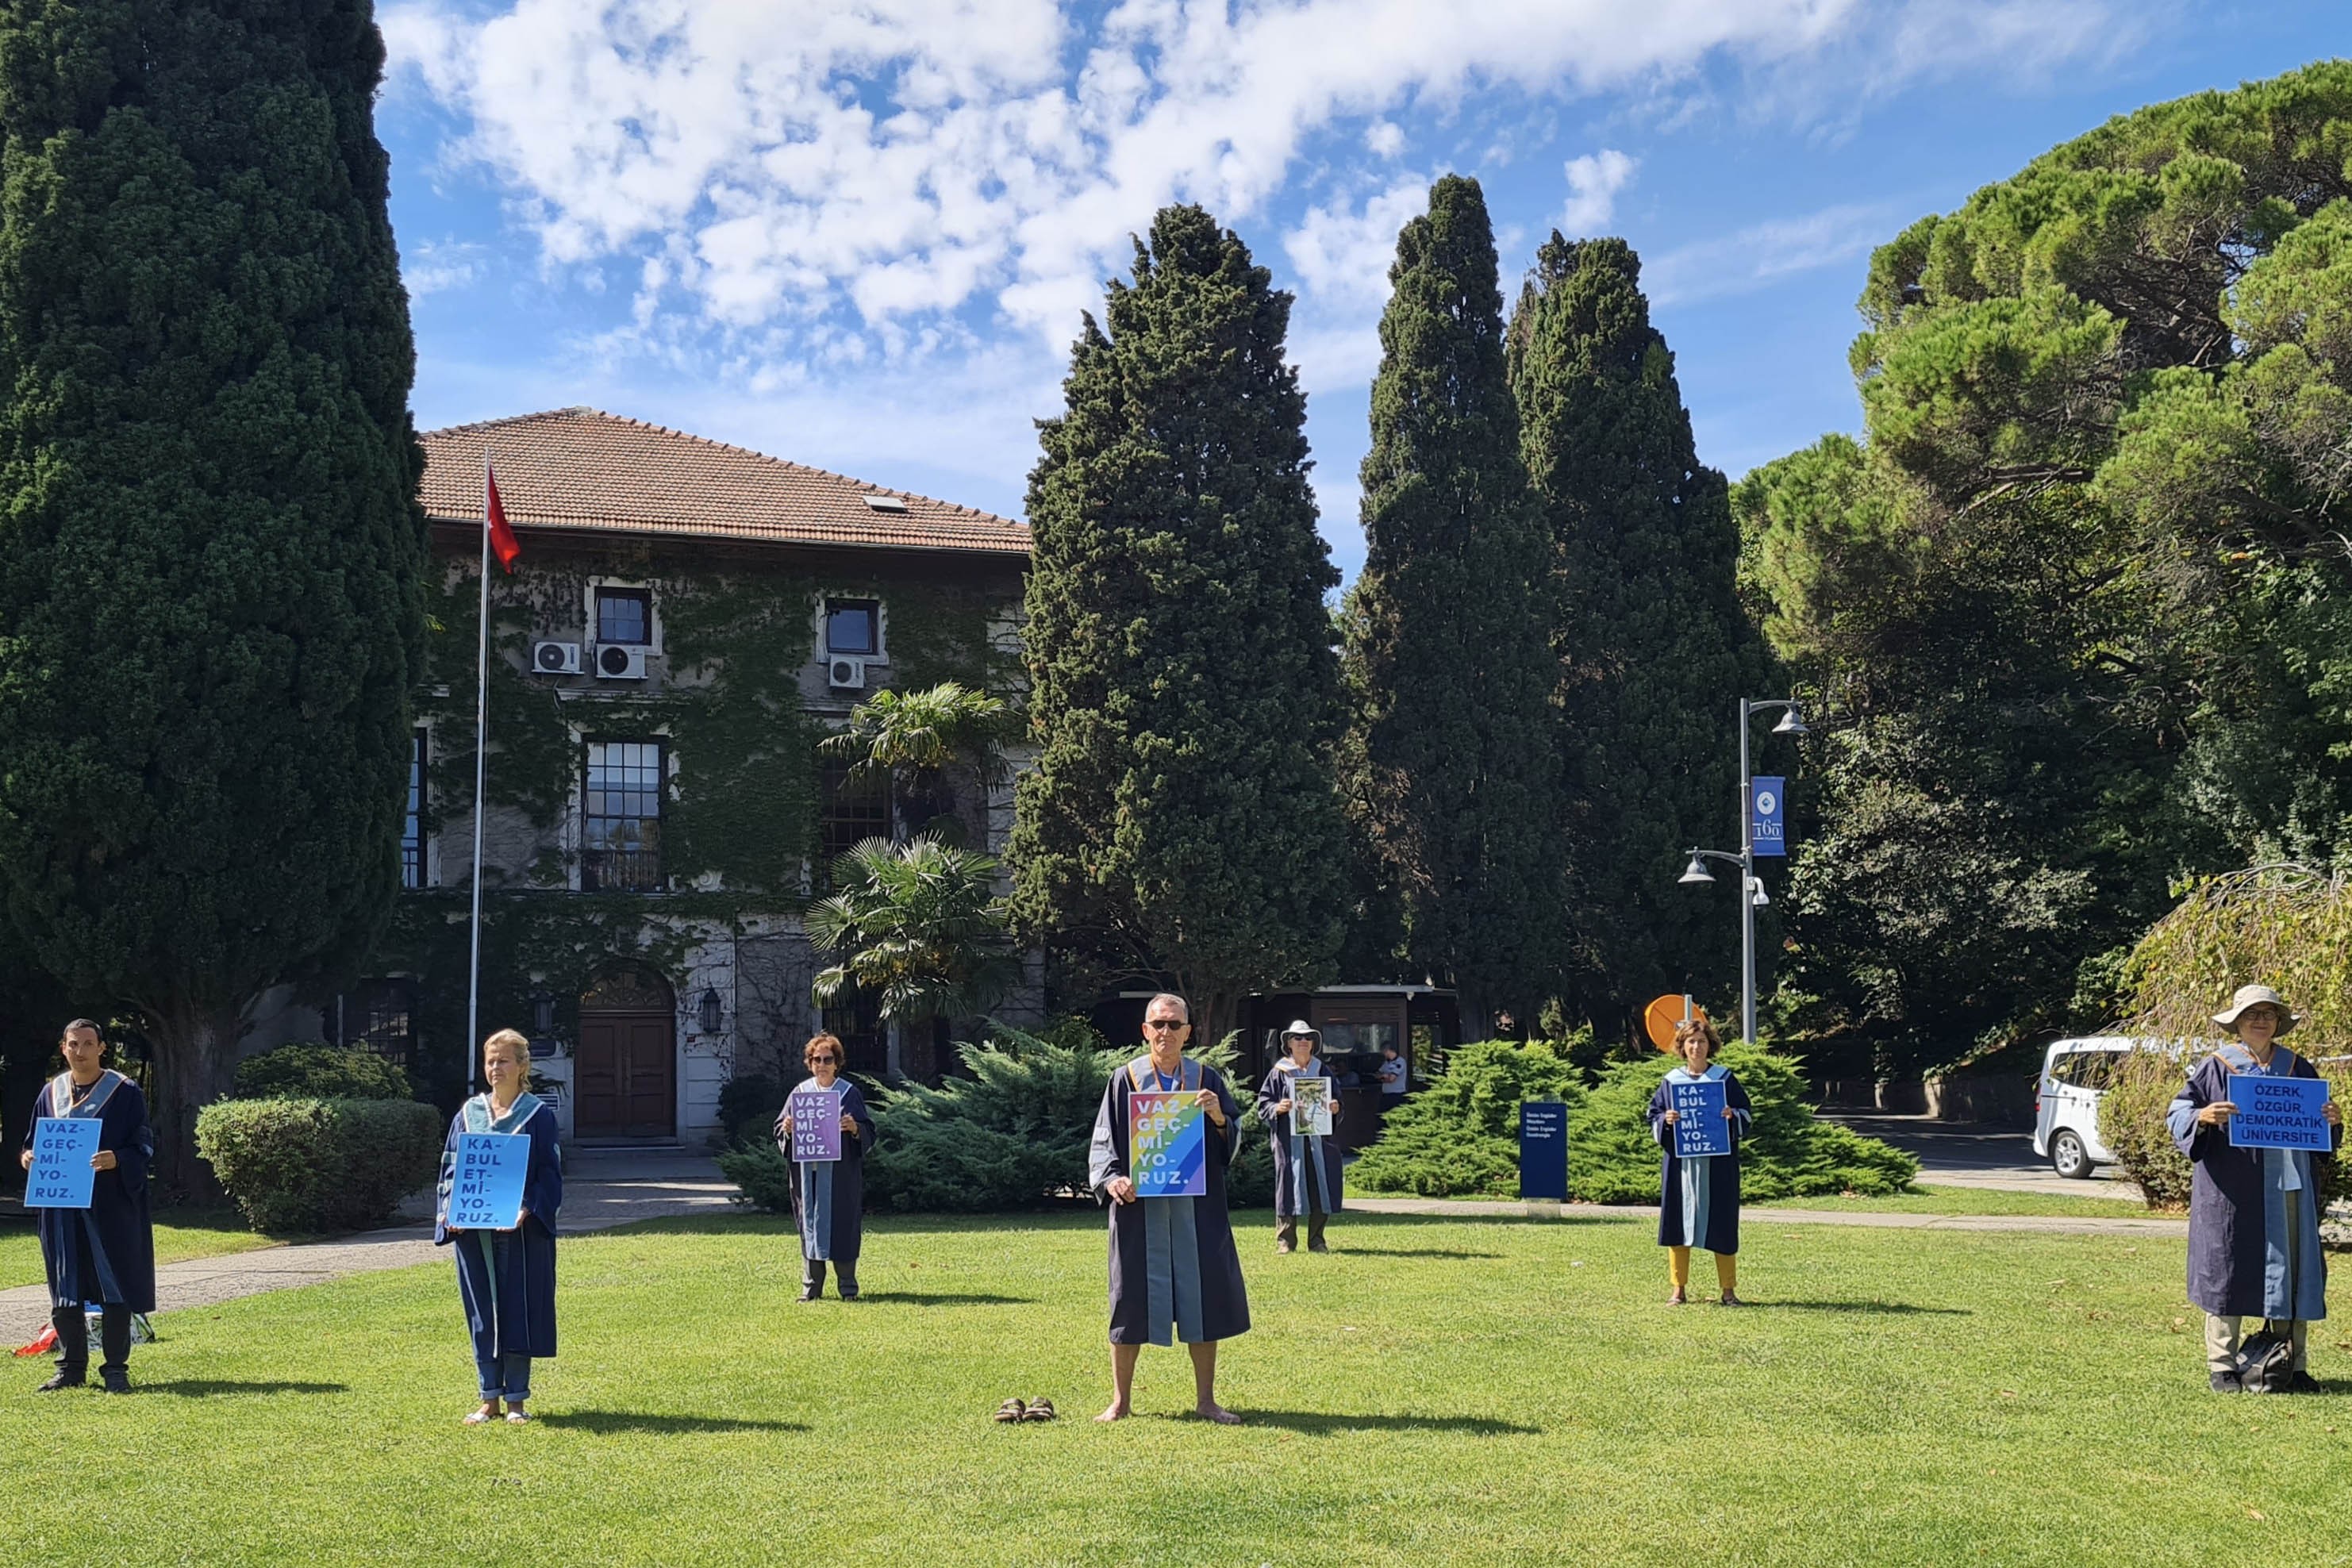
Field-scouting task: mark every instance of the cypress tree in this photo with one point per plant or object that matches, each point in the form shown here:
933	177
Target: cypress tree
1183	690
211	550
1453	759
1654	649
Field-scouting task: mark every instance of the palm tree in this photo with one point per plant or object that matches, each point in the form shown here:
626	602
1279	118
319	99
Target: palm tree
908	740
919	929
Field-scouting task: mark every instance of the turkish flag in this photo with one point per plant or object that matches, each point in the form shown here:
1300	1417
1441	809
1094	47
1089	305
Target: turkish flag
503	542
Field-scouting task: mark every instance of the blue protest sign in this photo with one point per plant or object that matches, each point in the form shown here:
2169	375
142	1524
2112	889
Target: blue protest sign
1167	1145
1768	816
2278	1113
1543	1150
817	1125
1700	1126
61	1177
486	1187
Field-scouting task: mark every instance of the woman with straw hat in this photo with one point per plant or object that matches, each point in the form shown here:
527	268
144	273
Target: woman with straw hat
2253	1214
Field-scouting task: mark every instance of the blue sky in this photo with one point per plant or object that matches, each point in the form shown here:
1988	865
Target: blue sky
860	238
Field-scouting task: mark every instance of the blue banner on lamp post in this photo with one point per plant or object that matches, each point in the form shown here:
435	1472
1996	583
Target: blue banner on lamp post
1767	817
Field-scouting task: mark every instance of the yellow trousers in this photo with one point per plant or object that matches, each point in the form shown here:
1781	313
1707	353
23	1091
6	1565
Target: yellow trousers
1727	1267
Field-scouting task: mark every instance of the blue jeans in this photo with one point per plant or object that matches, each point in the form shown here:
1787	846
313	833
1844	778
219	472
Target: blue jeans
503	1378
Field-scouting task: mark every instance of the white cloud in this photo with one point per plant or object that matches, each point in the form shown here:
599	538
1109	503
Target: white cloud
821	170
1384	139
1594	182
1762	254
438	266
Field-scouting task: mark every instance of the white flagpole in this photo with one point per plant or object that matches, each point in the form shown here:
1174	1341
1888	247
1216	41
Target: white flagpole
481	771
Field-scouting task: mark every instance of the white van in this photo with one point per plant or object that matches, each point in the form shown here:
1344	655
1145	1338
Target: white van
2074	1075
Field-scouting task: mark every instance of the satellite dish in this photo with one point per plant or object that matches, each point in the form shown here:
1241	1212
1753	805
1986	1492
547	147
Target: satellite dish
1659	1018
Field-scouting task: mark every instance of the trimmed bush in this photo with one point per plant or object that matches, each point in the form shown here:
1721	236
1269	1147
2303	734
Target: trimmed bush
756	1166
308	1166
748	1108
308	1070
1012	1135
1788	1153
2131	1123
1459	1136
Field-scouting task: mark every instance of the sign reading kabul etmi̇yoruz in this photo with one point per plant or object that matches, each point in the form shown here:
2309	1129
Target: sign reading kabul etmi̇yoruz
1768	816
2279	1112
486	1185
1167	1145
61	1177
1700	1126
816	1125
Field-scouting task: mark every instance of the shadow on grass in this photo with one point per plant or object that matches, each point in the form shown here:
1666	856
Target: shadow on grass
205	1387
1887	1307
1321	1423
942	1299
611	1423
1412	1252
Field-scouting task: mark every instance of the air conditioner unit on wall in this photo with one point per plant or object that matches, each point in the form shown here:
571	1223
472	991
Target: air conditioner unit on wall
844	674
619	661
555	658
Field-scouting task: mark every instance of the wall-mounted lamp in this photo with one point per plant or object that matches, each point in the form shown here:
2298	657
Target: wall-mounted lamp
542	1014
712	1015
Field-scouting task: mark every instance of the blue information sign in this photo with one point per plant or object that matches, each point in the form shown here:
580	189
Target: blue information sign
1768	816
1543	1150
61	1177
1700	1127
485	1188
2276	1112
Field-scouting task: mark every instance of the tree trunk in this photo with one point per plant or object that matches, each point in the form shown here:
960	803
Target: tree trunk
196	1064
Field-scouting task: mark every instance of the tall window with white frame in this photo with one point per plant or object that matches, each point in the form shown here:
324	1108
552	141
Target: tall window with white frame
411	825
620	840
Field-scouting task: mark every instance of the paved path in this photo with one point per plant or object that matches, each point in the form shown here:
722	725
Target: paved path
1973	1154
1594	1213
601	1188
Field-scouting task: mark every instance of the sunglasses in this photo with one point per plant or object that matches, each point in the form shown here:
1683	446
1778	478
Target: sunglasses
822	1058
1166	1024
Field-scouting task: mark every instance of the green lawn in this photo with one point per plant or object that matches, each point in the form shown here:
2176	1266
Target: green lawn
1986	1201
179	1234
1436	1391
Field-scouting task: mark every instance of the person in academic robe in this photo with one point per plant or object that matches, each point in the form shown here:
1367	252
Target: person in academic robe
1699	1198
505	1278
2253	1214
105	1253
829	1196
1175	1273
1306	1165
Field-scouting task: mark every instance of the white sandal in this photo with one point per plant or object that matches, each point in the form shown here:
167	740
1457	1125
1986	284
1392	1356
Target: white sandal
479	1417
518	1419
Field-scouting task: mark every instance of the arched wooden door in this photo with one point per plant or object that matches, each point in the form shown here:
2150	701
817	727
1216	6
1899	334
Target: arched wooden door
628	1071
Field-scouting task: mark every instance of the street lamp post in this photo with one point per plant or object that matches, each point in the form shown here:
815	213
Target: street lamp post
1752	887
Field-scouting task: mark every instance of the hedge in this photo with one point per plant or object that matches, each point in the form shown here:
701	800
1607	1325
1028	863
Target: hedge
309	1166
308	1069
1459	1136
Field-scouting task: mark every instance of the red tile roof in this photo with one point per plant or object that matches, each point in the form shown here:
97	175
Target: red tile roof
582	469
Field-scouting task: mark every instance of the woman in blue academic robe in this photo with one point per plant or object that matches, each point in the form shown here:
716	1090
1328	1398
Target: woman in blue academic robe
829	1196
2253	1214
1699	1198
506	1277
105	1253
1306	1165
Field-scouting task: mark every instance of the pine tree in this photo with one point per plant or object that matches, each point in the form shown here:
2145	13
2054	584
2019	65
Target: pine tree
1454	772
211	551
1653	649
1184	692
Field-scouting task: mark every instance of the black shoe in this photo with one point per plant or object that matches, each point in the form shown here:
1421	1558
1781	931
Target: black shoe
811	1292
2302	1382
117	1382
2227	1383
62	1380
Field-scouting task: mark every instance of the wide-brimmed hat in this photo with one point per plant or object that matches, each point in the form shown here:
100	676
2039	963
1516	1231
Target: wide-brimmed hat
1300	1026
2256	997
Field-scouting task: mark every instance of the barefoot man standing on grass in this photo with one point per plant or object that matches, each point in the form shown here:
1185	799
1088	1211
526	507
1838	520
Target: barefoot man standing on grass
1173	1265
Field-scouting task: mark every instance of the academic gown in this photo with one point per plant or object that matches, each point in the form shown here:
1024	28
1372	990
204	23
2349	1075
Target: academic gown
120	1236
1305	1167
829	1196
1173	1264
1698	1199
2242	1260
506	1277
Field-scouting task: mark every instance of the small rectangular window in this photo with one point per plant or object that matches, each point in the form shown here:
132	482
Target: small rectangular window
411	826
625	615
620	839
847	816
380	1016
853	626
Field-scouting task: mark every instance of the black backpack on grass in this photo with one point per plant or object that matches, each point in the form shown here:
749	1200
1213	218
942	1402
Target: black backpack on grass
2266	1362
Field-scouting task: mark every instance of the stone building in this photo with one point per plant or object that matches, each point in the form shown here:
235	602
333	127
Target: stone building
685	621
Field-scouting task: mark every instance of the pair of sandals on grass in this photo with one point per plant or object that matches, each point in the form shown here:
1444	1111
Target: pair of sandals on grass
1729	1299
515	1416
1014	1410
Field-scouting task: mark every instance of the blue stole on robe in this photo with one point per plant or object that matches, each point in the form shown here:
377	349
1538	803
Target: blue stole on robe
1171	1243
481	1116
61	1104
816	1194
1307	1153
